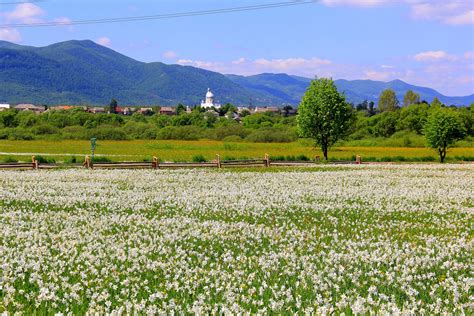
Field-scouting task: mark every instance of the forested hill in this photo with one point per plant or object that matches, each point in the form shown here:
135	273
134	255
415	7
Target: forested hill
83	72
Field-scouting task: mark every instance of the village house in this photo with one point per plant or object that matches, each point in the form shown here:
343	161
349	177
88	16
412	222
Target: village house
272	109
97	110
146	111
167	110
63	107
4	107
123	110
241	109
30	107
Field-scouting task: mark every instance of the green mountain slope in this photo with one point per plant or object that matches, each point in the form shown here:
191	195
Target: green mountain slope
83	72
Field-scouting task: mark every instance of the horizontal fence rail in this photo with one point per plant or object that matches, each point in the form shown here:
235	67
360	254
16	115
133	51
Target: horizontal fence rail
156	164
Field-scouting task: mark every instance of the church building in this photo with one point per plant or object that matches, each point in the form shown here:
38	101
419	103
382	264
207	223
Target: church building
209	103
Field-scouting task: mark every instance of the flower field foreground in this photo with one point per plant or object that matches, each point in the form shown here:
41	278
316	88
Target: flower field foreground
334	239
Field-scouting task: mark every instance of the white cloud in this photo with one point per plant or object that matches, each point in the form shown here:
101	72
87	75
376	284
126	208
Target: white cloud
25	13
433	56
239	61
462	18
290	63
378	75
454	12
104	41
307	67
209	65
387	66
469	55
170	54
10	35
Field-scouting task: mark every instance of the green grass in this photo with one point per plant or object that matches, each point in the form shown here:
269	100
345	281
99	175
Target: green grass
172	150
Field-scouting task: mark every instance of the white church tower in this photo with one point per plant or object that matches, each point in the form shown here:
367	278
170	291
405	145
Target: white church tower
209	103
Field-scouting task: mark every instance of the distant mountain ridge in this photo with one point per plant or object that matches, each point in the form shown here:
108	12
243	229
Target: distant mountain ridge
83	72
291	89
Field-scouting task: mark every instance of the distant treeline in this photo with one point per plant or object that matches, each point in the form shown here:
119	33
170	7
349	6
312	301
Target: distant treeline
393	126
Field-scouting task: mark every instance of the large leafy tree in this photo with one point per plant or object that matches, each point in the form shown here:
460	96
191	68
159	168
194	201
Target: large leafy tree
324	114
388	101
442	130
411	98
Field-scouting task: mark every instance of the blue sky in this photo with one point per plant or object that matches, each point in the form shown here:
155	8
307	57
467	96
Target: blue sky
429	43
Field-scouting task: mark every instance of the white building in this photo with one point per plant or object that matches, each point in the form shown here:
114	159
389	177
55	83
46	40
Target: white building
209	103
4	107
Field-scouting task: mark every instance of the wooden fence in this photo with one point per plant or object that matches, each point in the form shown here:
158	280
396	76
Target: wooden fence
156	164
34	164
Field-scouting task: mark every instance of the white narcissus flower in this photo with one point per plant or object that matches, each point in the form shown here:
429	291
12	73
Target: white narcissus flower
392	239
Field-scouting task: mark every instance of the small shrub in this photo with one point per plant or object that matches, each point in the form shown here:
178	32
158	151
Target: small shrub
427	159
302	158
233	138
42	159
101	159
9	159
368	159
70	159
464	158
399	158
277	158
19	134
199	158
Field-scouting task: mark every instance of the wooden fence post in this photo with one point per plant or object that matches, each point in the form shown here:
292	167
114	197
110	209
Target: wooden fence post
267	160
155	163
358	160
87	162
34	162
218	160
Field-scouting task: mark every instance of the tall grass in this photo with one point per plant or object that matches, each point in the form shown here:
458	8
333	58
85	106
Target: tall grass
170	150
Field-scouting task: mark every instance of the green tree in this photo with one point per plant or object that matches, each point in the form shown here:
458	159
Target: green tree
371	109
226	108
436	103
411	98
413	117
245	113
442	130
388	100
286	110
180	109
113	106
324	114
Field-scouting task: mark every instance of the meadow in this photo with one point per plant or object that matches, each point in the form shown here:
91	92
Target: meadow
176	150
385	239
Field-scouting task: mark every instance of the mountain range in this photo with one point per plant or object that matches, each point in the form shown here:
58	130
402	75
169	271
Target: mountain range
83	72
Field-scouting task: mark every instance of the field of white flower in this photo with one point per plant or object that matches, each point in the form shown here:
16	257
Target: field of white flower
329	240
